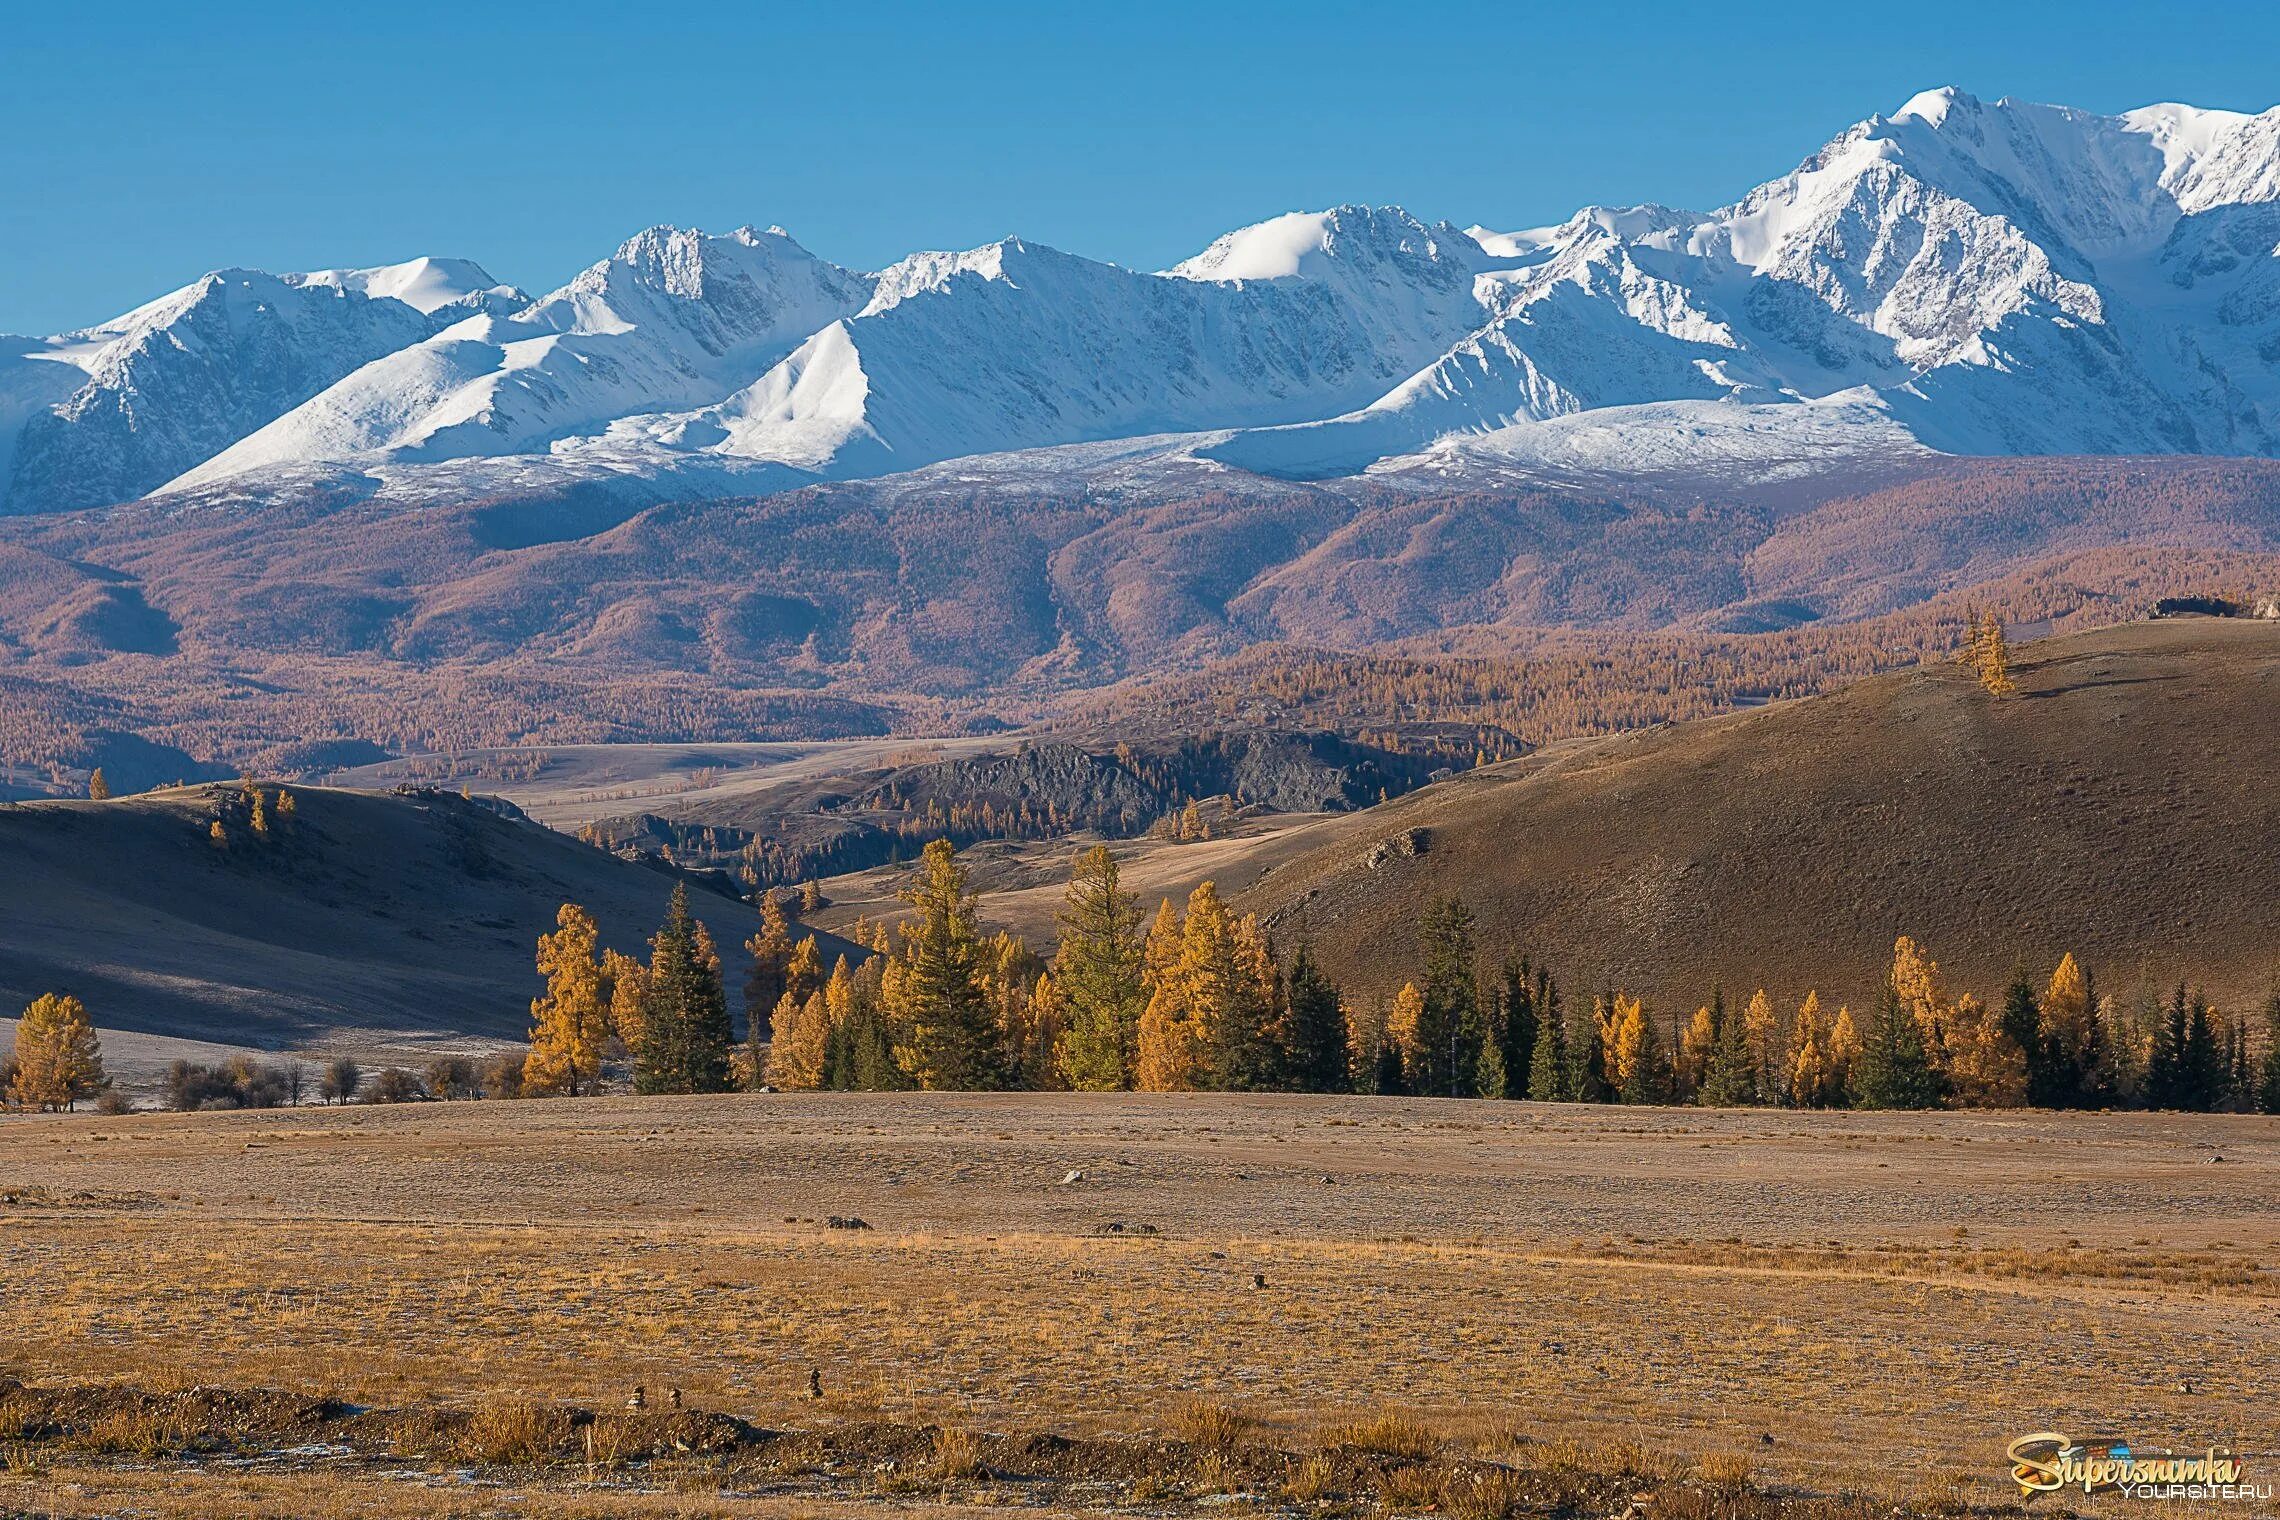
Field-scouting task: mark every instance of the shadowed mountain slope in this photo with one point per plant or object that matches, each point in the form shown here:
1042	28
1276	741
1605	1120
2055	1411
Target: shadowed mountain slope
370	922
2121	807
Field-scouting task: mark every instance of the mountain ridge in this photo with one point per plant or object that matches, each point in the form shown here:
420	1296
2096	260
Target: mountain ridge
1975	277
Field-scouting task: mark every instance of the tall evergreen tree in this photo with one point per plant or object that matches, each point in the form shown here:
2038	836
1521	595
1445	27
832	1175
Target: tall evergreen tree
2021	1021
947	1036
1516	1028
2268	1075
684	1018
2165	1085
1894	1069
1587	1056
1317	1026
1449	1026
1644	1058
1548	1060
1730	1080
1097	969
2202	1074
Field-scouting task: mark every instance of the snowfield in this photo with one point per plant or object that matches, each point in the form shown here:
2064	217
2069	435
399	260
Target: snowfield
1960	276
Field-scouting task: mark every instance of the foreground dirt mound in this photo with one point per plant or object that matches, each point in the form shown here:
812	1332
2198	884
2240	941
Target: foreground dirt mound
1387	1464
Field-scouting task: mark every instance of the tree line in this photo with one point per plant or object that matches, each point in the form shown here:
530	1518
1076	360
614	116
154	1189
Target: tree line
1199	998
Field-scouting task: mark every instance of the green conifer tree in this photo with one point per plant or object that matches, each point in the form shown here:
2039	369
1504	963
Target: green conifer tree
935	999
1893	1069
1731	1078
1450	1028
1548	1060
1516	1030
1097	968
1317	1026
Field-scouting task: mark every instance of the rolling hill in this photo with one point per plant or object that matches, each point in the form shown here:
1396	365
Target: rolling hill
2121	808
377	923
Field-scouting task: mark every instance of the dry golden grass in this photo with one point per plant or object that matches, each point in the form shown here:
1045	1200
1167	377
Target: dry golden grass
1570	1292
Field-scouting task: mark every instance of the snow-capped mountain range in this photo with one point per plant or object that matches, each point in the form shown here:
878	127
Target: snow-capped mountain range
1959	276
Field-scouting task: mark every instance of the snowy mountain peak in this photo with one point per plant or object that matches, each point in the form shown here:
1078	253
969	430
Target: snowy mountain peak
425	284
1302	245
1979	276
1931	107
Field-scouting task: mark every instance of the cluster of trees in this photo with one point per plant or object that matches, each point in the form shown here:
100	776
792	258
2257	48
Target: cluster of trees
1198	998
251	812
243	1082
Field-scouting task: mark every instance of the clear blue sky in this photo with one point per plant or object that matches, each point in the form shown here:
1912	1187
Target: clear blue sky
146	143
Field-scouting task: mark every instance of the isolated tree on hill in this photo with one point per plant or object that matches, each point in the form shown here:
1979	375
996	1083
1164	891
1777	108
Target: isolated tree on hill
98	789
935	1001
1548	1062
1097	968
1449	1025
570	1024
1893	1069
1995	661
684	1013
1317	1027
58	1060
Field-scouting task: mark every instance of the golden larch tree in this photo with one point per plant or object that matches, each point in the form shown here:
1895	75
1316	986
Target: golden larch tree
1844	1051
1629	1023
801	1032
58	1059
1985	1068
1402	1024
570	1024
2069	1023
1761	1038
1695	1044
1812	1073
1166	1059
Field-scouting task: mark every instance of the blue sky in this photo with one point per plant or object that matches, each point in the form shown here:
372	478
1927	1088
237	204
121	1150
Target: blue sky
146	143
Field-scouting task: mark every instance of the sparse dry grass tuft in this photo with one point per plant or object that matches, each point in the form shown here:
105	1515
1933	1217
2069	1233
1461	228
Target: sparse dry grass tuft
957	1455
1211	1426
514	1433
1388	1433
